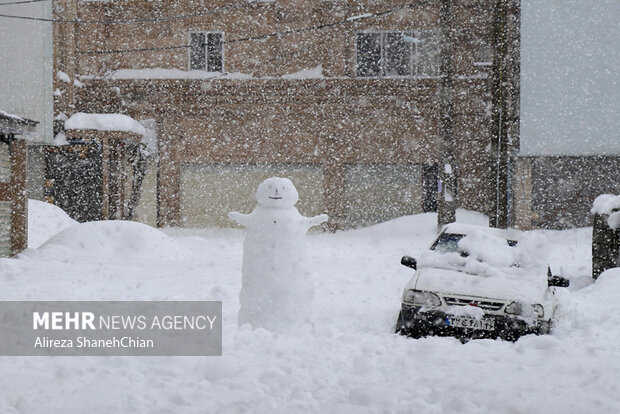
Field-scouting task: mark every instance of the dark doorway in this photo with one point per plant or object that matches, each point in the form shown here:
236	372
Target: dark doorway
429	182
74	180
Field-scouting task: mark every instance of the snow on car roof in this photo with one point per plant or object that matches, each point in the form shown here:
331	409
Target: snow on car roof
487	256
465	229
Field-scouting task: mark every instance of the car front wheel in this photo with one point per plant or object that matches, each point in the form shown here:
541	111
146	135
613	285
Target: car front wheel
400	323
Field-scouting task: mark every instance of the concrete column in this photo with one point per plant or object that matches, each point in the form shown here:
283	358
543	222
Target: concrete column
605	245
333	193
19	215
522	200
168	177
64	54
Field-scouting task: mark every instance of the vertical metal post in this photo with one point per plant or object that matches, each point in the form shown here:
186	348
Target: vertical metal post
499	143
105	159
447	191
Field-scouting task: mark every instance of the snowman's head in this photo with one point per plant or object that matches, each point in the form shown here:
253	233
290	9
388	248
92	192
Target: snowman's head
276	192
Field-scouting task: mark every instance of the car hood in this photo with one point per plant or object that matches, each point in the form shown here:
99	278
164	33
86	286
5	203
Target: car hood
447	281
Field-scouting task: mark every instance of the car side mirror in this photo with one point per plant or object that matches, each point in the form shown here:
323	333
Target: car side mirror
409	262
556	281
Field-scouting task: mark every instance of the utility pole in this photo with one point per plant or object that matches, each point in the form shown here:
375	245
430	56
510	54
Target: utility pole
447	189
500	116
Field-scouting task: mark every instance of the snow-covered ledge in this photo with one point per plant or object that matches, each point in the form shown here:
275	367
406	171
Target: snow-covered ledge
169	73
608	205
104	122
16	125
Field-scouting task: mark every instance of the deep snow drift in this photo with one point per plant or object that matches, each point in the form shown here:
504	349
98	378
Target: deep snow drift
44	221
346	359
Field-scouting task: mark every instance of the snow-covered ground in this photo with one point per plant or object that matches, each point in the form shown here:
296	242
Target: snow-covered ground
347	360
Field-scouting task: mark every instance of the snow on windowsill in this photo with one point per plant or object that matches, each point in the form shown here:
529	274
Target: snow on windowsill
314	73
105	122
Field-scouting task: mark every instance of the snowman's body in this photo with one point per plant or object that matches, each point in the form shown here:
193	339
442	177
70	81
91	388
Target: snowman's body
276	290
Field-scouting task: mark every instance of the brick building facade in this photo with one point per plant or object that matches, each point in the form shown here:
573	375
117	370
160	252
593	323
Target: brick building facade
341	96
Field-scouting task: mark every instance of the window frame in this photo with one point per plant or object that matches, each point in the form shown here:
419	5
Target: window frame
206	51
413	59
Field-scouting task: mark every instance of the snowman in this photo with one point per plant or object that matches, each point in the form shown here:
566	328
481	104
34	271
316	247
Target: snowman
275	290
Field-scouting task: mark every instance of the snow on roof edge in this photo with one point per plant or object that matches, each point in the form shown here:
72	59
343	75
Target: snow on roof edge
605	204
13	116
105	122
21	128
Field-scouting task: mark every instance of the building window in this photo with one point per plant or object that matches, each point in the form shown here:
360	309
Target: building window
397	54
205	51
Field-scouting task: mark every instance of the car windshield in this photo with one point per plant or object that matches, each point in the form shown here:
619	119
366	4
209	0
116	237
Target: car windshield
449	243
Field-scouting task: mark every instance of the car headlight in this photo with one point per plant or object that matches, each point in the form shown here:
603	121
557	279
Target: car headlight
514	308
538	310
517	308
422	298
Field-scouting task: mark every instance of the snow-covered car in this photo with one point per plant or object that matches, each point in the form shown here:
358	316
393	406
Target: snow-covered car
478	282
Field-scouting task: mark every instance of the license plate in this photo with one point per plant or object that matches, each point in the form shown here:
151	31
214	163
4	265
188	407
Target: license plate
470	323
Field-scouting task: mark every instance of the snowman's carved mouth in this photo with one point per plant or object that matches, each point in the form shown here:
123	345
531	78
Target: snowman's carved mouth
276	198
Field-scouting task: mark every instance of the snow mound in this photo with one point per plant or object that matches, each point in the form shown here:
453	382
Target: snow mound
111	240
592	312
44	221
605	291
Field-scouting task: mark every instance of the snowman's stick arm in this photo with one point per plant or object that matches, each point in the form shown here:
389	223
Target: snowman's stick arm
243	219
316	220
